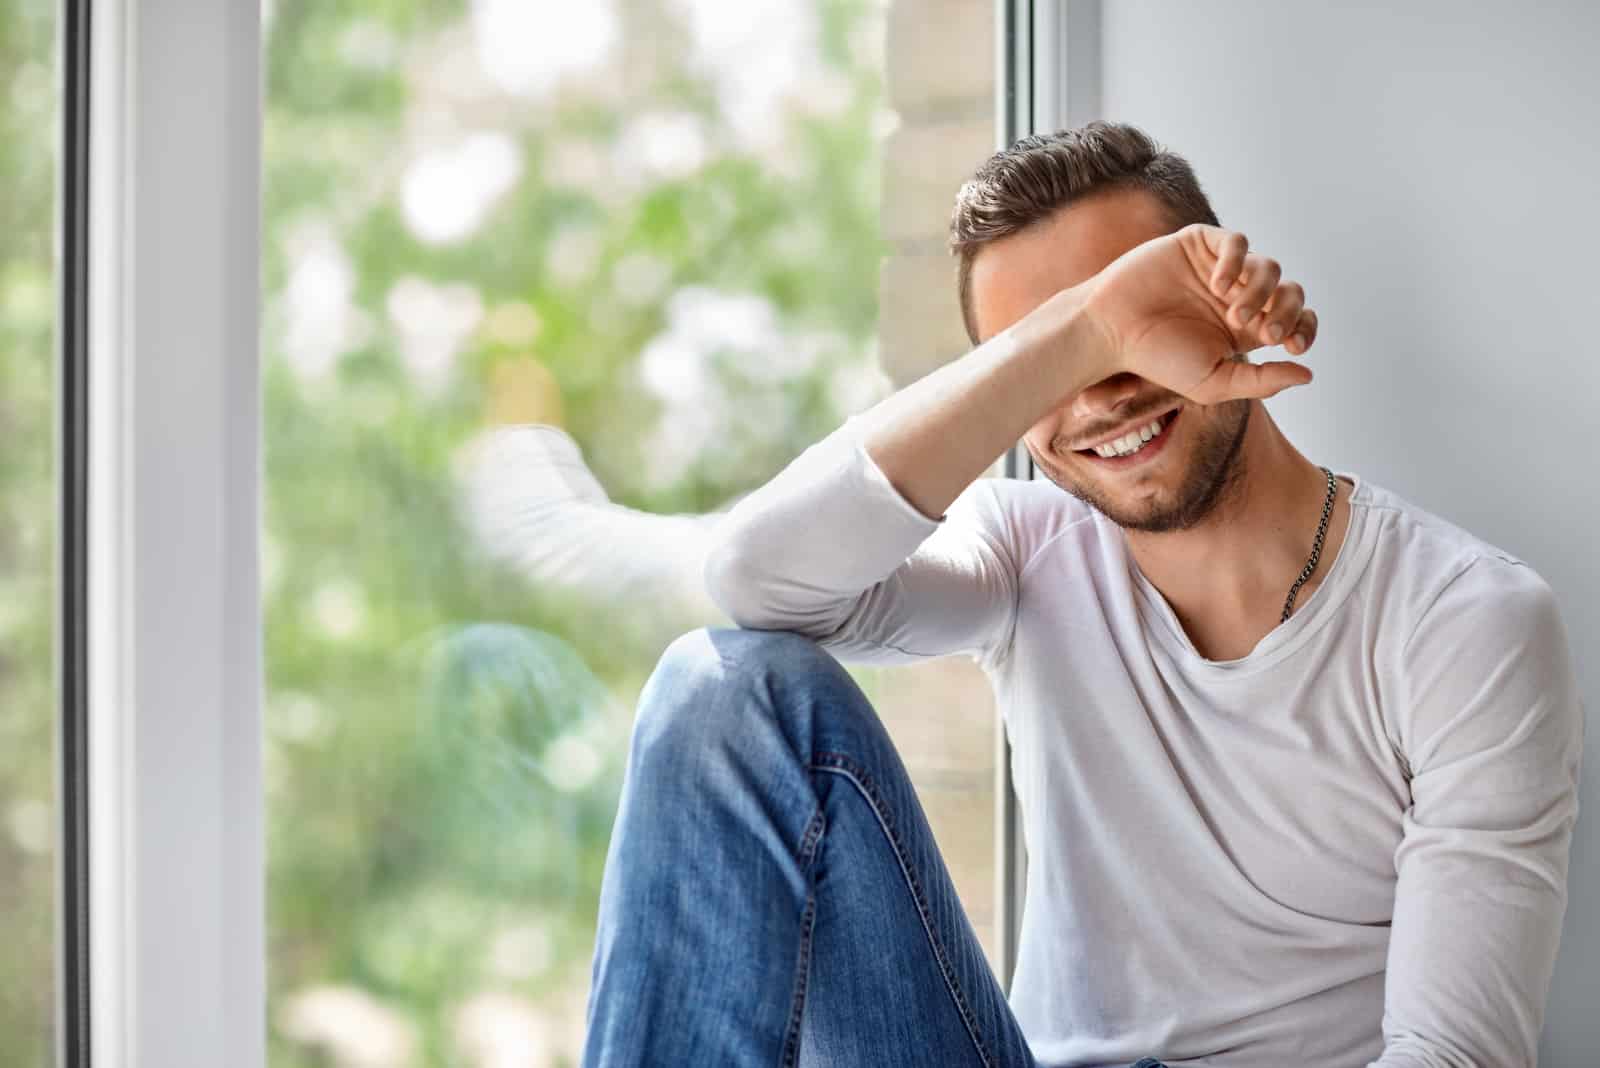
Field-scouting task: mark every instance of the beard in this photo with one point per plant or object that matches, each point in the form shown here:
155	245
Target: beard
1216	468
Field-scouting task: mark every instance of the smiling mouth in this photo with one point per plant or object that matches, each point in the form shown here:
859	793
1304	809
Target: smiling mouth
1137	445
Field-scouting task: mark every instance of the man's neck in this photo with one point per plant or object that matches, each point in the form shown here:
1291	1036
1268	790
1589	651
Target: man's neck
1226	578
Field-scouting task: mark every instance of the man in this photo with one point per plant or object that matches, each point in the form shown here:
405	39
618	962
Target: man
1297	761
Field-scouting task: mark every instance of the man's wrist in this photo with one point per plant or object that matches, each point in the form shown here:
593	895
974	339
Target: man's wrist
1082	348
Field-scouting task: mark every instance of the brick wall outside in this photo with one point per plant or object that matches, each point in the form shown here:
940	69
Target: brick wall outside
941	83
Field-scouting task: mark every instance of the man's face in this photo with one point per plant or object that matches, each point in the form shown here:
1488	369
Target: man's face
1177	477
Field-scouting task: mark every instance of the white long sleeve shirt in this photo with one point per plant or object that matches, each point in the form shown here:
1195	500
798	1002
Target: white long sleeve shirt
1347	848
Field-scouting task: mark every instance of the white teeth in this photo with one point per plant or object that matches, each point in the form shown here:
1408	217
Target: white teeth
1130	442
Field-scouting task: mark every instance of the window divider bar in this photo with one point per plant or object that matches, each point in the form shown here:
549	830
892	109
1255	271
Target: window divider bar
72	443
1013	119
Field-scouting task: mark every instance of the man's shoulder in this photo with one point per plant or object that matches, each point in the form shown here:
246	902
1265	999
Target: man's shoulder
1478	655
1427	568
1432	547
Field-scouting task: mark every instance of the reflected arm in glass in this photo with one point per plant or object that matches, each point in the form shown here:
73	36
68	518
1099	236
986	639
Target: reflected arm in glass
532	502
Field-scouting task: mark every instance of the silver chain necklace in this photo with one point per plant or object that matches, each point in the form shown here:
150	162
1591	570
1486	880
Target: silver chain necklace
1316	548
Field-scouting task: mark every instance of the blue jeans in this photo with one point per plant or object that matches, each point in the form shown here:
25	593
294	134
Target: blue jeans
773	895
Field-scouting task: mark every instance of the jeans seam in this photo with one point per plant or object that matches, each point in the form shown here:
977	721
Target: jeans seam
791	1042
844	766
808	845
808	841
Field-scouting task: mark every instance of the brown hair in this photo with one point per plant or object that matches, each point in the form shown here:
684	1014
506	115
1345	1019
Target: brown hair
1038	175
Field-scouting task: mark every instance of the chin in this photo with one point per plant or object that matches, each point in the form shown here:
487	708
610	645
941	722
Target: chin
1152	509
1177	496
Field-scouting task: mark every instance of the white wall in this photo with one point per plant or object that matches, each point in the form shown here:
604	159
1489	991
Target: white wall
1430	172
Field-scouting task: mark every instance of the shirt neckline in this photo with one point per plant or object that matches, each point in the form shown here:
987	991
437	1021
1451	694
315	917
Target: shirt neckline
1160	622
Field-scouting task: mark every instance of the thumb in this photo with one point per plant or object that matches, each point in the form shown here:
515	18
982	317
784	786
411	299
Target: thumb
1239	379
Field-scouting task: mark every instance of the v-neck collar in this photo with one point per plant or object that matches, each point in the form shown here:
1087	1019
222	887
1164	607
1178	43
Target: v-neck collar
1161	622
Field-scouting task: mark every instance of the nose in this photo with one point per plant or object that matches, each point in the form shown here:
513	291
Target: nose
1106	396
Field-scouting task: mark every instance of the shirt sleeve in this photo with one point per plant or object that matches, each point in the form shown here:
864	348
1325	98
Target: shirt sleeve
1492	731
830	549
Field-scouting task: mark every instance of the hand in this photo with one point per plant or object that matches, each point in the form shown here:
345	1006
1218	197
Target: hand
1181	310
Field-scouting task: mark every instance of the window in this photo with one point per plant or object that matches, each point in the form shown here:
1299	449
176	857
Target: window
685	237
29	488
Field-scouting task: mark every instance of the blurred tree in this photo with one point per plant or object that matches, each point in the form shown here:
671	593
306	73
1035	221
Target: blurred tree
28	150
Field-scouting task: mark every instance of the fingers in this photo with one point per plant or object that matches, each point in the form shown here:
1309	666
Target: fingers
1283	320
1259	306
1304	334
1281	314
1259	282
1230	248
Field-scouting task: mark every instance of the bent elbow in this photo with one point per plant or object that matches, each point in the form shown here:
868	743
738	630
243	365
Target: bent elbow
734	583
743	582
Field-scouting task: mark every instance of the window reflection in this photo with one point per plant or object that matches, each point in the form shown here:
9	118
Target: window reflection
547	288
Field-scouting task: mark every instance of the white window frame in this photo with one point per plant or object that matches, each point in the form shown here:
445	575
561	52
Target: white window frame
177	932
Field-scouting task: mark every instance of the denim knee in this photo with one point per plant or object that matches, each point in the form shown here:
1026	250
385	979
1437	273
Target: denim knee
710	681
719	657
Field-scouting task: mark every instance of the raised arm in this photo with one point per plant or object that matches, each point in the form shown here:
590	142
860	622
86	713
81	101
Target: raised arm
1179	311
832	546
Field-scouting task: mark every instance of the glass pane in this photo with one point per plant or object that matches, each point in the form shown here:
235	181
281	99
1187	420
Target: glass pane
661	231
29	137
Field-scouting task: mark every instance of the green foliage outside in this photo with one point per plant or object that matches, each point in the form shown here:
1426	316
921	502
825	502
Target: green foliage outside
28	152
